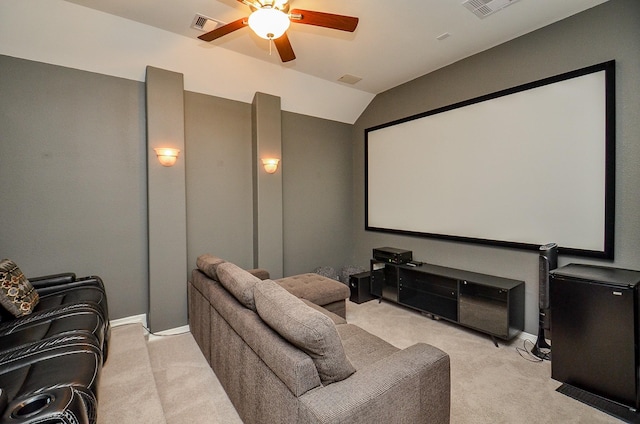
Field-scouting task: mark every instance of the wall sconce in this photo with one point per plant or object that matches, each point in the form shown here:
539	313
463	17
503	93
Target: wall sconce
270	165
167	156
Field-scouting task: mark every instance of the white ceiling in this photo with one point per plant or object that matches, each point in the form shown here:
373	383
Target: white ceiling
395	41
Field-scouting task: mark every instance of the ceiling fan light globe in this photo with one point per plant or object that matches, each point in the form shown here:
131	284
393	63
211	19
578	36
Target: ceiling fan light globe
269	23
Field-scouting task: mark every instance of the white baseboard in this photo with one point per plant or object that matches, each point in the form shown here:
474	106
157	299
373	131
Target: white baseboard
142	319
134	319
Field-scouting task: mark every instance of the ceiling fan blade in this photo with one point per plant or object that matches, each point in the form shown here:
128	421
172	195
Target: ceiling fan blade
224	30
284	48
327	20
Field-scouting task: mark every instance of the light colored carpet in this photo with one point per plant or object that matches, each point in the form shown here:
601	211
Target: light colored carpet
189	390
488	384
127	392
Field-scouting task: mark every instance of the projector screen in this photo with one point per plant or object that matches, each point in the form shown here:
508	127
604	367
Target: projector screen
519	168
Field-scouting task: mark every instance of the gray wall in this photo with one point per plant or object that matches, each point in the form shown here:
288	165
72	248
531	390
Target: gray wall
316	185
73	177
317	193
609	31
219	187
73	173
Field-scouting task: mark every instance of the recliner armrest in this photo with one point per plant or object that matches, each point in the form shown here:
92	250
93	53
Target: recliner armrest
52	280
51	286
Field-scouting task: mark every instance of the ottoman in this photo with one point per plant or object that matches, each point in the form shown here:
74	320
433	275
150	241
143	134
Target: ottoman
323	291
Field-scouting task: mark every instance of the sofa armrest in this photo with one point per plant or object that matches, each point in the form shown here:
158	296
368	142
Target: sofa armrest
262	274
411	385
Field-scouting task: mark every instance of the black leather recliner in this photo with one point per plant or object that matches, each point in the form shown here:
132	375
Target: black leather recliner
35	377
67	291
51	359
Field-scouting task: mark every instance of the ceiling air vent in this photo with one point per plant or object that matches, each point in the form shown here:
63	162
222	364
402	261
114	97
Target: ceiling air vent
484	8
349	79
204	23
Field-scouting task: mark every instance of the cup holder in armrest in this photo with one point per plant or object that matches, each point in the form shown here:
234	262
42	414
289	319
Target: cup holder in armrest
32	405
62	405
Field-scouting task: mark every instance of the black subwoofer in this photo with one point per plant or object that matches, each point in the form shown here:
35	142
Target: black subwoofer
360	286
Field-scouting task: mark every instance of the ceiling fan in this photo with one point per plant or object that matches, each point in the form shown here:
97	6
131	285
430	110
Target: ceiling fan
270	19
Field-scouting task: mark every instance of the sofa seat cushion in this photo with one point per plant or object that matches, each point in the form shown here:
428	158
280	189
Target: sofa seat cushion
315	288
238	282
308	329
17	295
363	348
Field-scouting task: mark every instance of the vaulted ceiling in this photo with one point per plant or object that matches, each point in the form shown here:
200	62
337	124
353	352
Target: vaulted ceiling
395	41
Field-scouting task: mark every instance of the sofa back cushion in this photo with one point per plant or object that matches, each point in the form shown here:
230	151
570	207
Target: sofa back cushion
291	365
238	282
304	327
208	264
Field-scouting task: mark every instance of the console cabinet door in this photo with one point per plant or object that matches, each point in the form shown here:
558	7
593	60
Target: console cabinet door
431	293
384	281
484	308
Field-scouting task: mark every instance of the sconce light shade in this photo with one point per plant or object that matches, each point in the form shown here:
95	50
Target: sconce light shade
167	155
270	165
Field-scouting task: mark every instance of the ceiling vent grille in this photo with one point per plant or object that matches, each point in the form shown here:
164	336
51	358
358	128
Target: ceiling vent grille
484	8
205	23
349	79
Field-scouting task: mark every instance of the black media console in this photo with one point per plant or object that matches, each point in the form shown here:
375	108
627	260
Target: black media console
492	305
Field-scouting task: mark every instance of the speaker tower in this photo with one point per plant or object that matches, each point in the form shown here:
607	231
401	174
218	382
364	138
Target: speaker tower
547	261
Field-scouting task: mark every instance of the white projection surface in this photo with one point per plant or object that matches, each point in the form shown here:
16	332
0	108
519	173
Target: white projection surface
525	168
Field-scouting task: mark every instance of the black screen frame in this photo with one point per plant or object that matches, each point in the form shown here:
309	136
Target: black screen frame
609	144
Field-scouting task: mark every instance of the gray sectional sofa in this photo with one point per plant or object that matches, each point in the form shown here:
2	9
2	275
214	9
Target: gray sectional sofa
283	359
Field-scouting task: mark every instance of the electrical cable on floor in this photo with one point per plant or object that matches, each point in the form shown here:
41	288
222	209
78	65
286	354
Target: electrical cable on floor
522	351
152	333
165	335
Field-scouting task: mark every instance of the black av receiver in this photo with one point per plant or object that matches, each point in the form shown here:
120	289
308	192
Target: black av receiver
392	255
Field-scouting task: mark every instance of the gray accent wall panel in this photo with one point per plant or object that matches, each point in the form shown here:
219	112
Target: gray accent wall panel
219	185
72	177
317	193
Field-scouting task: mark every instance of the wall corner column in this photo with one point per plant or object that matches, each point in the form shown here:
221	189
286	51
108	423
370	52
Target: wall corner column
266	134
166	206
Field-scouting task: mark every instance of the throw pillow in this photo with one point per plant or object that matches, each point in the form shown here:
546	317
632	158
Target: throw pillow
208	264
17	295
238	282
308	329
